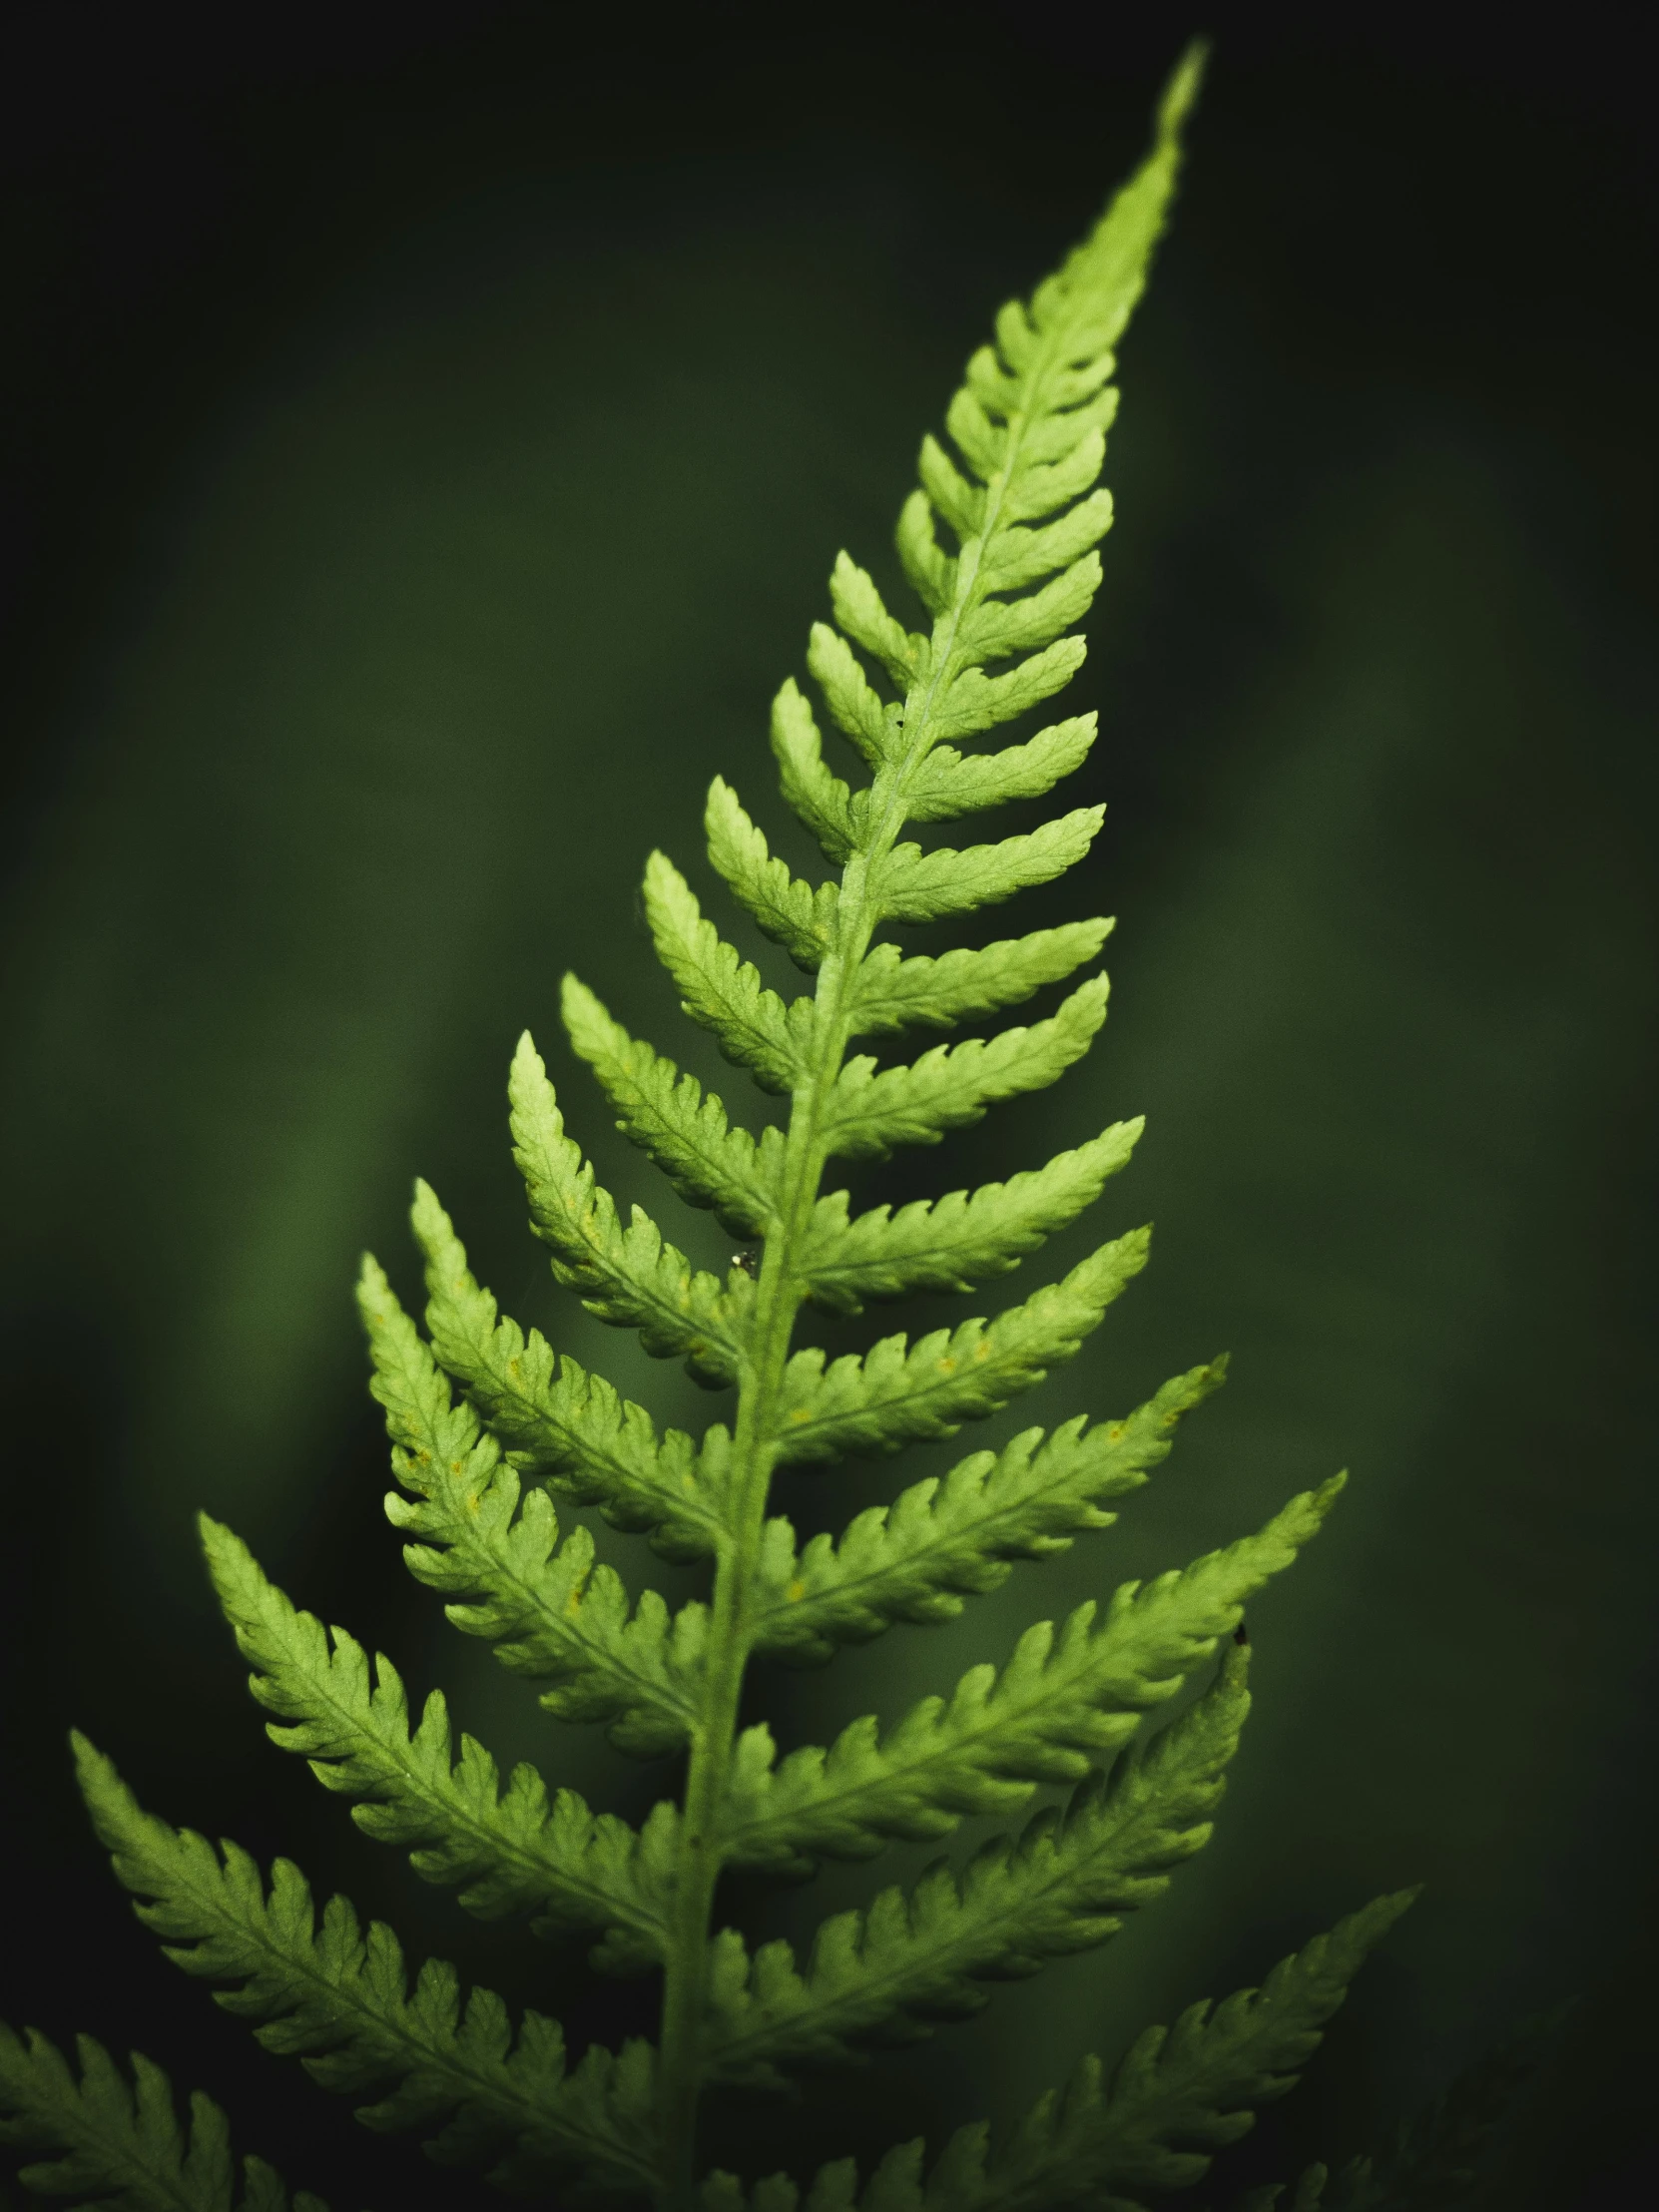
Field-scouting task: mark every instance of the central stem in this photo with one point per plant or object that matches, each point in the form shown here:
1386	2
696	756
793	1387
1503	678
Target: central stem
779	1296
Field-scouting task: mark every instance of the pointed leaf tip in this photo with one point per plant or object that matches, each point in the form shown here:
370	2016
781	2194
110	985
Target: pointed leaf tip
1180	94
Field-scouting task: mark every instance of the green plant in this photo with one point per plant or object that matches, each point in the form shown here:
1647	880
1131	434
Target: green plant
477	1470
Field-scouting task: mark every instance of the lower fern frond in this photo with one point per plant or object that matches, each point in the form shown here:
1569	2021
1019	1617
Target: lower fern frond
1063	1699
510	1852
1181	2093
338	1995
1062	1887
941	1541
1178	2096
548	1610
105	2142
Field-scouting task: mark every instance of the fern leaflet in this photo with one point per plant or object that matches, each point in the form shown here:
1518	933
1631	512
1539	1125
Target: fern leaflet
915	1559
102	2140
549	1611
560	1423
338	1995
514	1851
1061	1887
1062	1697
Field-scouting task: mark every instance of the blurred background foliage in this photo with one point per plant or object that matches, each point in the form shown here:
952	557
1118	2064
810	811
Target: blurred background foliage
427	437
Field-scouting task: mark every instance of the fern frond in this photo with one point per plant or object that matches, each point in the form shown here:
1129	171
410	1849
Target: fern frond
709	1162
506	1851
1019	555
1180	2093
977	702
862	614
951	782
951	1243
1001	542
338	1995
1179	2096
941	1541
892	993
1061	1887
933	886
107	2141
837	817
630	1276
1065	1697
722	990
550	1612
898	1391
792	913
872	1110
561	1424
855	706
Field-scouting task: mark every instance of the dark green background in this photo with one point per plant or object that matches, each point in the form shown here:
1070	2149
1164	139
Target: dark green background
428	436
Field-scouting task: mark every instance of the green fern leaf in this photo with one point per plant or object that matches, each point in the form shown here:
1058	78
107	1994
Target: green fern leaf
951	1087
855	706
933	886
837	817
559	1422
720	988
1179	2096
1000	627
950	1243
894	993
801	919
626	1276
1061	1887
951	782
1064	1698
978	701
1181	2093
665	1114
860	610
338	1995
1020	556
506	1851
898	1391
119	2144
547	1608
916	1559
